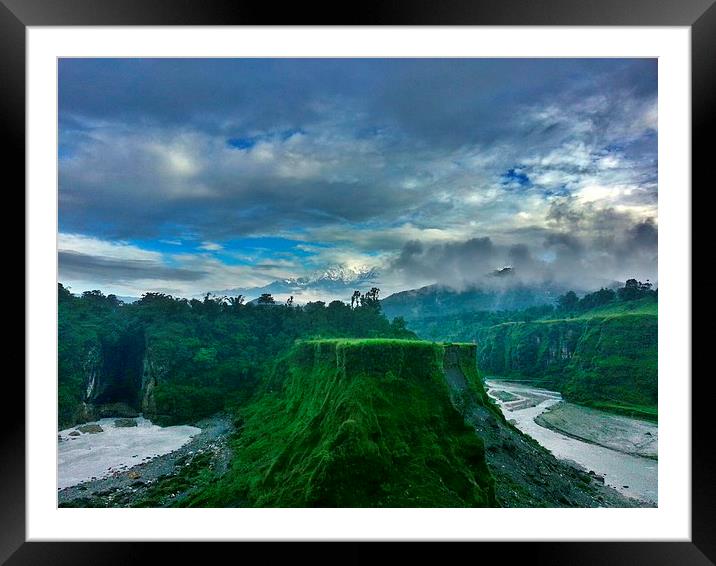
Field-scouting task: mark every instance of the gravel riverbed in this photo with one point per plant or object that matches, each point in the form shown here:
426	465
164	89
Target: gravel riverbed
128	486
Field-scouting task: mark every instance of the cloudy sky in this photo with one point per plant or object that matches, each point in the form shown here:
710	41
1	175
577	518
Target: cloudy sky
184	176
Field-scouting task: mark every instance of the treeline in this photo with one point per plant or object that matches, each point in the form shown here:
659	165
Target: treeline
464	327
204	354
633	290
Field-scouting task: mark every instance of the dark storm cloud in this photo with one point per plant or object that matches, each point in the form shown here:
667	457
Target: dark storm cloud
74	265
260	207
564	243
456	263
364	126
583	261
644	235
455	101
564	213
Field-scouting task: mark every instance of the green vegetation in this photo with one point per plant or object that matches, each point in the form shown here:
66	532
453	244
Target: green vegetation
435	299
334	405
356	423
599	350
178	360
194	474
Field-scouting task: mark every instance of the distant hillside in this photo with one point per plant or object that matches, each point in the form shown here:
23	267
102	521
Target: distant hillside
438	300
646	305
600	350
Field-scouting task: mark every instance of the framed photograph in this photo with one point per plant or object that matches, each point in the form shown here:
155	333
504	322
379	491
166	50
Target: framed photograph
420	276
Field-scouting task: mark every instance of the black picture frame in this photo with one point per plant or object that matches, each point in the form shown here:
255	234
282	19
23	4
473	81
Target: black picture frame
699	15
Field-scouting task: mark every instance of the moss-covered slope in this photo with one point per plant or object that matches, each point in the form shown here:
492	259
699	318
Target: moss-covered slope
357	423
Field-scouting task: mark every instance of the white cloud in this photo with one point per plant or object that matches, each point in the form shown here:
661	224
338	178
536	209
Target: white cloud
115	249
211	246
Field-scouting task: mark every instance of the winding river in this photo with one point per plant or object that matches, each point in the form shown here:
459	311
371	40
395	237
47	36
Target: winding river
632	475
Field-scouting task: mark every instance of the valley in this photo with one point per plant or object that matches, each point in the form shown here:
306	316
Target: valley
217	403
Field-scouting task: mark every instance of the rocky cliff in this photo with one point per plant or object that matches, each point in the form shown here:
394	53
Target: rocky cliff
116	379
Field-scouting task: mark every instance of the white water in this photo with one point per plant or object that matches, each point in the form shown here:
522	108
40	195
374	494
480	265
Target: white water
633	476
82	458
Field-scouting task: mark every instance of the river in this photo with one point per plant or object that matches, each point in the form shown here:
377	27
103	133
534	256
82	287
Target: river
87	456
631	475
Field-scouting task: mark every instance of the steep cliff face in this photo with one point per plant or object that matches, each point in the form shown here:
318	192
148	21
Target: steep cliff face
356	423
526	475
150	375
154	372
108	381
389	423
600	360
120	377
532	350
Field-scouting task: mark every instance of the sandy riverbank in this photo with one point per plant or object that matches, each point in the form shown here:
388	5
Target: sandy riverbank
622	465
624	434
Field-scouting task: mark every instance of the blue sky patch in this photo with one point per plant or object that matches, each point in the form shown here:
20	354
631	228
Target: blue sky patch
241	143
515	177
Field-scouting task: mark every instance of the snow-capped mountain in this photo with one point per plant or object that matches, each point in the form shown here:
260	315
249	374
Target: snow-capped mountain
334	282
343	274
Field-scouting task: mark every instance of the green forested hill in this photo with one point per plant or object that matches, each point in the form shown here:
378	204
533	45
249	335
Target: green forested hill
427	301
177	360
600	350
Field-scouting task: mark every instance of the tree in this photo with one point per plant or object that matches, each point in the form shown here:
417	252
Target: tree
597	299
355	298
370	299
236	302
266	299
634	289
289	301
399	325
93	294
568	302
63	293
